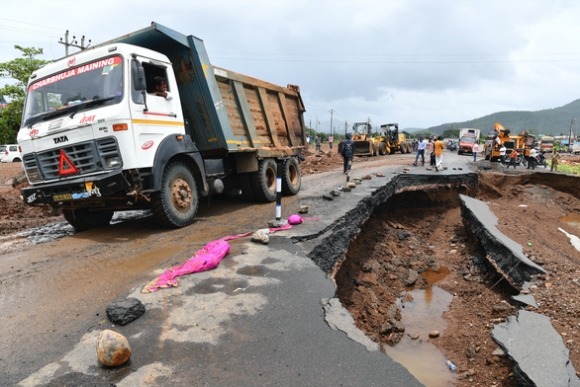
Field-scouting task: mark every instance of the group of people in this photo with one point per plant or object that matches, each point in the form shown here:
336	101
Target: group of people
435	147
318	141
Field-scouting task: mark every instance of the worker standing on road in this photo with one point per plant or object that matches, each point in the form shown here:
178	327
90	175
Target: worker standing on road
431	152
317	143
474	150
554	164
513	157
347	152
330	140
421	145
502	151
439	152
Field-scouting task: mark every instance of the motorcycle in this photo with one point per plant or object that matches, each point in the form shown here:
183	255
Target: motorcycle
452	145
540	159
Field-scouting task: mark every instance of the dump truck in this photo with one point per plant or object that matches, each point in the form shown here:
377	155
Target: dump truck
391	141
467	137
145	121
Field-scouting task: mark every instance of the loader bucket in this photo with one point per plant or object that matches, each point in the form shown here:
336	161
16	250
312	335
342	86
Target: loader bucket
363	148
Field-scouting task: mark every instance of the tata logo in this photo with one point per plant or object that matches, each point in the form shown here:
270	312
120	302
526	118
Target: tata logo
147	145
58	140
34	133
71	61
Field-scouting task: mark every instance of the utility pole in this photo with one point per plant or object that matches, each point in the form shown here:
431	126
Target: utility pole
73	43
331	112
345	127
570	143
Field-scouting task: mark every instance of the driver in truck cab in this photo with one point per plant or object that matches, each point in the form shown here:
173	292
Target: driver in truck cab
161	88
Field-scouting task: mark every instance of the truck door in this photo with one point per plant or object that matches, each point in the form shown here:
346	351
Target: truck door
154	117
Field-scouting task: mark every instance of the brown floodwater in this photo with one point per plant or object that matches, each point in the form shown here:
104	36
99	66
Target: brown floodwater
423	315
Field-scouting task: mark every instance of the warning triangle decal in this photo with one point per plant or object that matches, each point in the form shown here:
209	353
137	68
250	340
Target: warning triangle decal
66	166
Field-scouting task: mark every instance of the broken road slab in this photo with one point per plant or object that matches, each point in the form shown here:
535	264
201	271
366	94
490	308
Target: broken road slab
539	356
504	254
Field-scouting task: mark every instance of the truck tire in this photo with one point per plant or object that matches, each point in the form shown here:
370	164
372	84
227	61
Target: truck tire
382	149
263	181
403	148
176	204
292	177
84	219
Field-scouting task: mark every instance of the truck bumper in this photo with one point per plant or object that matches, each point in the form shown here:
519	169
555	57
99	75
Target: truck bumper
79	189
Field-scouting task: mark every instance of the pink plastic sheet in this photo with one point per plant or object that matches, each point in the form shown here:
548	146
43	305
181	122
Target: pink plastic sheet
205	259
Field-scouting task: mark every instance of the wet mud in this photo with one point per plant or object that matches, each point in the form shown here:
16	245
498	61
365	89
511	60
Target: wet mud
415	267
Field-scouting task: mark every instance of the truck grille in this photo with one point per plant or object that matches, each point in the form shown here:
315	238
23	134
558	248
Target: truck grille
88	157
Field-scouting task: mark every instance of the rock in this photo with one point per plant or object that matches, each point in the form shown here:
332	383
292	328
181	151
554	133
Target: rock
433	334
328	197
380	174
125	311
346	189
466	374
350	185
260	237
498	352
303	210
408	297
367	177
412	277
536	350
335	192
357	181
113	349
414	337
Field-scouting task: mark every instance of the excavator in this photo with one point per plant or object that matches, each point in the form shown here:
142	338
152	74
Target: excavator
523	143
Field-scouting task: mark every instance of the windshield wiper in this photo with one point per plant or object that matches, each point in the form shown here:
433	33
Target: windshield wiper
64	110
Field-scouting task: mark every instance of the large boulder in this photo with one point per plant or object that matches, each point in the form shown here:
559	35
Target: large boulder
113	349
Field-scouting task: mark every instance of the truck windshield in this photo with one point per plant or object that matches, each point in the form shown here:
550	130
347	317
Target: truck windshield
86	86
469	139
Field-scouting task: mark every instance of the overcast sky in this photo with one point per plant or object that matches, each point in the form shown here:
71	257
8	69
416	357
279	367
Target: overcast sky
419	63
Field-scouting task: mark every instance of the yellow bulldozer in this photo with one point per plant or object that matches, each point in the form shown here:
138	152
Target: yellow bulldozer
363	139
390	140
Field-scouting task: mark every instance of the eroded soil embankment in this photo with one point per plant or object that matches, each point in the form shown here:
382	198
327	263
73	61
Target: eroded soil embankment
420	230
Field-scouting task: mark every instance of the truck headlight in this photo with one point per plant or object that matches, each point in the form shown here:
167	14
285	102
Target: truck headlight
33	175
113	162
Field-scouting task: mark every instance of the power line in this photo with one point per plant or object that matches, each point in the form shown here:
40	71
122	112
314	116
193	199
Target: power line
73	43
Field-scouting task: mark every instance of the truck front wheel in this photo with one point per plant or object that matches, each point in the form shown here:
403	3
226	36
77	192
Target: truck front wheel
176	204
292	177
83	219
264	181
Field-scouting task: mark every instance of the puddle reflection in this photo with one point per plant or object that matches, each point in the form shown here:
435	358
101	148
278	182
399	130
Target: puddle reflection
421	316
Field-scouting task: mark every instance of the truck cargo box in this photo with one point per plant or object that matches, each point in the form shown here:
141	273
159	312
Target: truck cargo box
229	112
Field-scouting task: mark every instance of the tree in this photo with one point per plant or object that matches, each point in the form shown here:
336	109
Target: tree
18	69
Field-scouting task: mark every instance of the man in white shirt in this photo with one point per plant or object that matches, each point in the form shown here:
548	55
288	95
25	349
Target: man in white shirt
421	145
161	88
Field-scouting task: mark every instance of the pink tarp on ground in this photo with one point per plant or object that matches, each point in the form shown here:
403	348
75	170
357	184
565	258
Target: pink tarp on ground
204	259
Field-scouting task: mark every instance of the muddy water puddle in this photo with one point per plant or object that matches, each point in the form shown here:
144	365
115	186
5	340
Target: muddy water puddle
423	315
572	219
54	231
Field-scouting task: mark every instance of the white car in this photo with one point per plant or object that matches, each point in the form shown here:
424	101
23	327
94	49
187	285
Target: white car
10	153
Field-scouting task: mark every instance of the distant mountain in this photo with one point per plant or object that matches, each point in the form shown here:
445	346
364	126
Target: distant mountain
550	121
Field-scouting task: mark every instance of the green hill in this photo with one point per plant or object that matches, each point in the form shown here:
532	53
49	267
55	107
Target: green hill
550	121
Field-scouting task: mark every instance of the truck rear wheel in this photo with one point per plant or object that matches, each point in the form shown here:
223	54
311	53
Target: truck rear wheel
403	148
83	219
176	204
292	177
263	181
